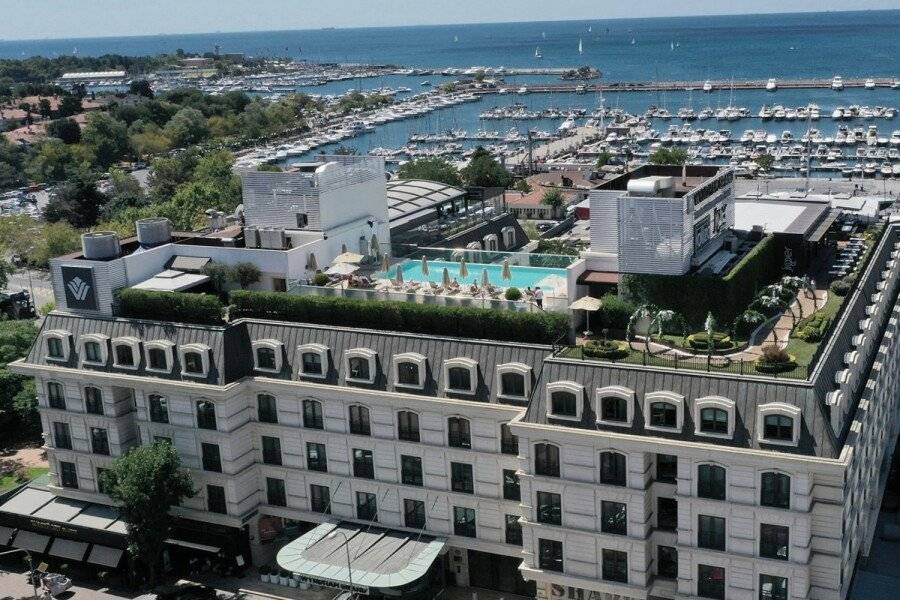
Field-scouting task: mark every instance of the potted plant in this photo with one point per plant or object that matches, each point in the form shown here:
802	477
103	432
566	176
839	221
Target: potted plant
284	577
292	580
264	573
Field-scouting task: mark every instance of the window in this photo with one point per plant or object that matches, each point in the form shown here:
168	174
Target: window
212	460
663	411
550	555
312	414
773	588
663	414
563	404
612	468
271	450
99	441
509	443
778	427
206	415
714	420
157	359
774	541
265	359
667	562
363	464
711	582
275	493
411	470
776	490
194	359
61	438
359	421
124	355
93	400
215	499
312	363
614	409
408	426
549	508
666	468
313	360
546	460
93	352
514	381
159	408
667	514
458	435
359	368
319	499
615	566
778	423
460	375
266	408
193	363
408	374
55	348
711	482
513	530
464	521
366	507
614	518
711	532
461	478
56	397
316	458
360	365
414	514
68	476
511	488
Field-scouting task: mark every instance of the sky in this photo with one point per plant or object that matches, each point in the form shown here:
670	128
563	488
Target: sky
31	19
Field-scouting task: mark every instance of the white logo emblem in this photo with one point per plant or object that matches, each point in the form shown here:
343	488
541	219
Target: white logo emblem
79	288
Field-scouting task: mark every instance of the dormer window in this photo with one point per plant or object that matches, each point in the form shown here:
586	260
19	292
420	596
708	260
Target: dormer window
664	411
194	359
460	376
267	356
515	381
57	345
159	356
313	360
778	423
360	365
409	370
615	406
714	417
93	349
564	400
125	352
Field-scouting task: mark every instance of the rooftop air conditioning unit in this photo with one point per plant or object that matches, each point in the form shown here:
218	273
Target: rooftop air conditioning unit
251	237
272	238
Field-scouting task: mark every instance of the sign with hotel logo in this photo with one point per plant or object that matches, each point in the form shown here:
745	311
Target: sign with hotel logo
79	285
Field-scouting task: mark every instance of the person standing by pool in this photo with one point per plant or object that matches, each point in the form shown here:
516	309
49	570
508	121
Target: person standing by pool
539	297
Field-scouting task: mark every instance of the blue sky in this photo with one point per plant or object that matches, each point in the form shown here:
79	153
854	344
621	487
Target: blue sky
29	19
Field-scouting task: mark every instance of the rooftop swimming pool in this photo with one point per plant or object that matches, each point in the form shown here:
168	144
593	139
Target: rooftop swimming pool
548	278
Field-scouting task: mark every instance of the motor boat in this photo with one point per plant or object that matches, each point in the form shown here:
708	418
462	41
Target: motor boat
837	83
870	84
707	86
771	85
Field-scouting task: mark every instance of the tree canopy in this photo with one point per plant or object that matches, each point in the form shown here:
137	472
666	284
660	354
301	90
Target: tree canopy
430	169
484	171
669	156
18	404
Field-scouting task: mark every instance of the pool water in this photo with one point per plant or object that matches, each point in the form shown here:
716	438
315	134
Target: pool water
522	277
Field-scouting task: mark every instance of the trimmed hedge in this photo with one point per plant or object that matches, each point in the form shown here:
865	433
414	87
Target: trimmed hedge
700	341
609	350
428	319
812	329
177	307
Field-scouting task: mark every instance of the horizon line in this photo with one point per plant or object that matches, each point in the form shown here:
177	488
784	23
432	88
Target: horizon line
462	24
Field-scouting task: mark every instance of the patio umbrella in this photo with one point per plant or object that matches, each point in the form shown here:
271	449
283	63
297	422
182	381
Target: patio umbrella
399	275
424	265
589	305
311	263
348	257
341	269
385	264
485	280
445	280
507	273
463	269
374	246
343	248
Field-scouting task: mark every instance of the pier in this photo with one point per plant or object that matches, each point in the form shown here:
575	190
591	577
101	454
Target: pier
676	86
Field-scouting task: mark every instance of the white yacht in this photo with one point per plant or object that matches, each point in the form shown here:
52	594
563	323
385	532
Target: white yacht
838	113
837	83
707	86
895	139
772	85
870	84
766	113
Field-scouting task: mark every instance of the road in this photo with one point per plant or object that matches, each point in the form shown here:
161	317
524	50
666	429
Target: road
40	283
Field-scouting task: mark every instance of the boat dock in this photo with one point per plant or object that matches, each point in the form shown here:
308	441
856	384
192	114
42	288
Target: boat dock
676	86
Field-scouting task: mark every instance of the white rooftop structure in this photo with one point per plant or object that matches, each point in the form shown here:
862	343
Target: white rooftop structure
90	75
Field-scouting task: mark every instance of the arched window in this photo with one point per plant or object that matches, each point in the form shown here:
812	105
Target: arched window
409	370
614	409
546	460
408	426
265	358
612	468
711	482
56	396
158	408
157	359
778	423
359	421
663	414
313	360
407	373
312	414
359	368
713	420
93	400
93	352
458	433
563	404
266	408
512	385
775	490
124	355
459	378
312	363
193	362
778	427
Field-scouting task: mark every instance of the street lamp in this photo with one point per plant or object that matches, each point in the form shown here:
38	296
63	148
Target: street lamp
333	535
30	566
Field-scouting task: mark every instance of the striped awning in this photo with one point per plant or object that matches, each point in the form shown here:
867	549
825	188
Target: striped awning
68	549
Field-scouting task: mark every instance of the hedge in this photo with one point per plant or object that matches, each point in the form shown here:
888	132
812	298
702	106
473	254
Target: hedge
177	307
693	296
428	319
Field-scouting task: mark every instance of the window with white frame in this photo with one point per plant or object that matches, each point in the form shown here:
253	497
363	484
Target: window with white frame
159	356
491	242
663	411
313	360
126	352
514	380
93	348
57	345
267	356
409	370
359	365
194	359
778	423
615	405
509	237
460	375
565	400
714	417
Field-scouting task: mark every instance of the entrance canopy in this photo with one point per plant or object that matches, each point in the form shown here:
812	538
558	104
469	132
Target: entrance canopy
379	558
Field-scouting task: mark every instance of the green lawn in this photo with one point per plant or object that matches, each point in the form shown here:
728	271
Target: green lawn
8	480
804	351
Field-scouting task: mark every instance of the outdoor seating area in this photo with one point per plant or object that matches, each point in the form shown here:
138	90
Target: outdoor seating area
847	258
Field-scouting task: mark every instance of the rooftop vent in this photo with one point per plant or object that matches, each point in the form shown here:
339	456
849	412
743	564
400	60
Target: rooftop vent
657	185
100	245
153	231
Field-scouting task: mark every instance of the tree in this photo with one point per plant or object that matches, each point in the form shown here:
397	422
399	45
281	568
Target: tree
430	169
149	141
219	274
669	156
168	172
44	108
124	192
245	274
603	159
554	199
69	105
765	161
66	130
140	87
11	160
523	186
187	127
484	171
18	403
76	201
268	168
107	137
54	160
147	482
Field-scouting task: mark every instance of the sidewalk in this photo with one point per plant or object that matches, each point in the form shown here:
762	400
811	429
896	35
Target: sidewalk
14	587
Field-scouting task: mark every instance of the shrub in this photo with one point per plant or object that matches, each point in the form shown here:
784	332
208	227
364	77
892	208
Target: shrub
169	306
615	312
747	323
609	350
700	341
458	321
772	353
320	279
813	328
775	360
841	287
513	294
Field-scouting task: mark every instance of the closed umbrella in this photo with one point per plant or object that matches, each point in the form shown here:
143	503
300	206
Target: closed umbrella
343	248
507	273
399	275
424	266
374	247
485	280
463	269
445	279
311	263
385	264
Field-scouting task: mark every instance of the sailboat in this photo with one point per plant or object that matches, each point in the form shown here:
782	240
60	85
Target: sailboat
580	47
455	38
633	41
590	28
672	46
544	35
537	52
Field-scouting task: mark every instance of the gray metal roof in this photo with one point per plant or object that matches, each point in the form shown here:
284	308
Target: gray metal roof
408	198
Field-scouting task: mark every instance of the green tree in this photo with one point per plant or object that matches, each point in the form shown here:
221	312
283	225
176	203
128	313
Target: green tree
69	105
523	186
106	137
66	130
245	274
430	169
219	274
669	156
765	161
76	201
554	199
484	171
44	108
147	482
124	192
187	127
168	172
148	141
55	159
18	404
603	159
269	168
11	161
140	87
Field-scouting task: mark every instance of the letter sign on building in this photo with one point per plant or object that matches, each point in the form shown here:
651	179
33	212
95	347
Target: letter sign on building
79	285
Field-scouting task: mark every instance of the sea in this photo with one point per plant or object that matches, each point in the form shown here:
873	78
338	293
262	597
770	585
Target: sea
786	46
